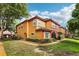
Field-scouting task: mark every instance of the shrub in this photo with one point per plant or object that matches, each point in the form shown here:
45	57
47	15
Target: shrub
33	40
59	38
39	40
59	35
54	39
45	41
6	39
14	37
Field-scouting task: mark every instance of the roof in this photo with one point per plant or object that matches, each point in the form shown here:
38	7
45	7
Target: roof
7	32
37	17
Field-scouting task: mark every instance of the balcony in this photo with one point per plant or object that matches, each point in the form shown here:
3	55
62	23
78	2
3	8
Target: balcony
43	29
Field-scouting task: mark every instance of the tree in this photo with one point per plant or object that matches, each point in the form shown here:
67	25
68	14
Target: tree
73	24
9	12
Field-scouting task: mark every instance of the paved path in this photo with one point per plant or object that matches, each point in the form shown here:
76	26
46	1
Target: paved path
2	51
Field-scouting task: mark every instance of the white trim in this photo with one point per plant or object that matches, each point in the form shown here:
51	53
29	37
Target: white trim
44	35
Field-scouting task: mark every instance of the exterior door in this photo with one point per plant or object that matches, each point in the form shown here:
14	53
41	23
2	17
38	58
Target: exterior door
53	35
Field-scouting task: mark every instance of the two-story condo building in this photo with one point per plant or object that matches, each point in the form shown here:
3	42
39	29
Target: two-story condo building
38	28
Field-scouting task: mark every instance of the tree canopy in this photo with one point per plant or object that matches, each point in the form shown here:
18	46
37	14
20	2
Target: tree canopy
73	24
11	11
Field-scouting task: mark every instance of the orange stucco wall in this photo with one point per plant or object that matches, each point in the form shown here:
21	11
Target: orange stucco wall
21	30
37	34
32	33
40	35
31	29
62	30
48	24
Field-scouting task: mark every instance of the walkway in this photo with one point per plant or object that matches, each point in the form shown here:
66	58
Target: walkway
2	51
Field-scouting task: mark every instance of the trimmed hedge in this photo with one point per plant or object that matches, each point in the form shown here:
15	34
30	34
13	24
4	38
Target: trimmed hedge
45	41
39	40
16	37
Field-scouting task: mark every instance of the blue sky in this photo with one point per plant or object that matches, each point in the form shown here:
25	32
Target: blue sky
59	12
47	6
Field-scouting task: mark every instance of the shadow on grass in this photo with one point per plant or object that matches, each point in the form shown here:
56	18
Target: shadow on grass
64	48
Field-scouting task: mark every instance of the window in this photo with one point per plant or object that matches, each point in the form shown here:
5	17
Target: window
34	22
47	34
32	33
25	34
21	26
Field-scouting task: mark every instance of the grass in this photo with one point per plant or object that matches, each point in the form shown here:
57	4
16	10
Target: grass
66	46
17	48
74	40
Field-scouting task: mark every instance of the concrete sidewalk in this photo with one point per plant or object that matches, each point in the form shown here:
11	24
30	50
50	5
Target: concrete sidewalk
2	51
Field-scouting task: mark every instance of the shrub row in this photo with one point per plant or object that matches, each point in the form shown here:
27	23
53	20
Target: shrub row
14	37
39	40
43	40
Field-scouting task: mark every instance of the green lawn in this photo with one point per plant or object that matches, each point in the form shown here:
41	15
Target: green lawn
70	46
18	48
74	40
66	47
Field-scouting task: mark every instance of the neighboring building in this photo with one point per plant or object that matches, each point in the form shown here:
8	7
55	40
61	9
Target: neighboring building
38	28
67	33
6	33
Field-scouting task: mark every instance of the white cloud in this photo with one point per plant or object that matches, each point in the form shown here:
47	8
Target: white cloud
45	13
61	16
34	13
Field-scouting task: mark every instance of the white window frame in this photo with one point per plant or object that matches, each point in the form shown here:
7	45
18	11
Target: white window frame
45	35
